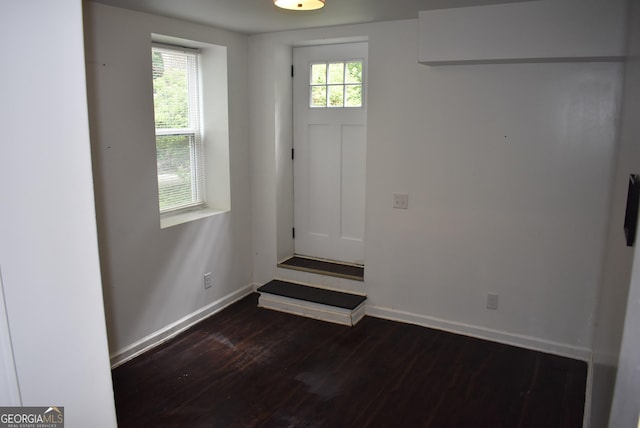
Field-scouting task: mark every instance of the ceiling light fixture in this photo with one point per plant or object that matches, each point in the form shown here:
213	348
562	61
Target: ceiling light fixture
299	4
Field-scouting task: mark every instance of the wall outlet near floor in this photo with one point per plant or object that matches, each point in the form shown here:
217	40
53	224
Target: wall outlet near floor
208	281
401	201
492	301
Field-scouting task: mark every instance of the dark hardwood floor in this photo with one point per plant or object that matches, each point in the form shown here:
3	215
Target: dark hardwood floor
251	367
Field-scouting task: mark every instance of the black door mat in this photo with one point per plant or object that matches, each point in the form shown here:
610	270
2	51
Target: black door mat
312	294
324	267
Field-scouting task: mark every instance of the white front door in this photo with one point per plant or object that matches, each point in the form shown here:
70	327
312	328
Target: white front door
330	151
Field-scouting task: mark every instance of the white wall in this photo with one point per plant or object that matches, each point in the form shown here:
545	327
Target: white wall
263	121
153	278
48	243
626	405
612	298
548	30
507	167
508	170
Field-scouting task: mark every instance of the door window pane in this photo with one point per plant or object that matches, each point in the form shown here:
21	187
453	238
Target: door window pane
336	84
354	72
318	74
353	96
318	96
336	73
336	96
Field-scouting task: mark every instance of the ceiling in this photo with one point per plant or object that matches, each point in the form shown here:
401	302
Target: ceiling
261	16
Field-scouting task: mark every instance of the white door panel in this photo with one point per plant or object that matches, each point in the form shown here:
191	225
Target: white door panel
353	181
330	163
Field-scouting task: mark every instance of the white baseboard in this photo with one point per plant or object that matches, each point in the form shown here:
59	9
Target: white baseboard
527	342
160	336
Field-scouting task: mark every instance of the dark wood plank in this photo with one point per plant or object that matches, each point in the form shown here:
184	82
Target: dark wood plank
312	294
250	367
324	267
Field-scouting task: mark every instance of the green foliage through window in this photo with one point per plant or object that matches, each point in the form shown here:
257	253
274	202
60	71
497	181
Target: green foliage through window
170	93
174	156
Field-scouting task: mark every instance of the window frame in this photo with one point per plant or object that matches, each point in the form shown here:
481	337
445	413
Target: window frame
193	131
215	80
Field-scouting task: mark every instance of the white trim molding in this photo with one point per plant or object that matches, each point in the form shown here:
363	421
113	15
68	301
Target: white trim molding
160	336
527	342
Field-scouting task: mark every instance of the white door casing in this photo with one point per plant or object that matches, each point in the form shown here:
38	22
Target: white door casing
330	163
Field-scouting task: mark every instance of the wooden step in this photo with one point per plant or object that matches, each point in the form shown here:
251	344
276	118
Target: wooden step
312	302
324	267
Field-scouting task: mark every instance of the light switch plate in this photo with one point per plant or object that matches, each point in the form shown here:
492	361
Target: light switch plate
492	301
401	201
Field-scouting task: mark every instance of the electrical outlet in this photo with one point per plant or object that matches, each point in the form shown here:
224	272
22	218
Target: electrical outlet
401	201
492	301
208	281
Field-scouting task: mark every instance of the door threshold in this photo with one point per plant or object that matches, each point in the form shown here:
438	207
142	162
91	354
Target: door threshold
324	267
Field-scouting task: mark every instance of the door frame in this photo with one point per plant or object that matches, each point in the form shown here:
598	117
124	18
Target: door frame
330	52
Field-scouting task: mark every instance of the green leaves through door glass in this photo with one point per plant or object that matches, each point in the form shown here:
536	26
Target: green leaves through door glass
353	95
354	72
318	96
336	73
318	74
336	96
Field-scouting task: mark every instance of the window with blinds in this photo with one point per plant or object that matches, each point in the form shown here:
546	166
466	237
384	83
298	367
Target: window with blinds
179	149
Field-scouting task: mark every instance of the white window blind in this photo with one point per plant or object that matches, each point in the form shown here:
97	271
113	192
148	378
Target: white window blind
179	149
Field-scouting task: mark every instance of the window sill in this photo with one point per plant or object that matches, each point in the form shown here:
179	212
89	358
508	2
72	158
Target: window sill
171	219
